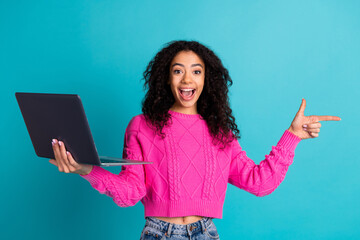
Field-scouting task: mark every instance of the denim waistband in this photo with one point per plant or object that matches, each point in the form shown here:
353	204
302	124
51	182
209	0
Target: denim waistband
171	228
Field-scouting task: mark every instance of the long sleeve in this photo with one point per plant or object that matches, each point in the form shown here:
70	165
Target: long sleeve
128	187
264	178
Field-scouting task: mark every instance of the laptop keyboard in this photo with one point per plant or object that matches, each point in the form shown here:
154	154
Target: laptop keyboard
112	161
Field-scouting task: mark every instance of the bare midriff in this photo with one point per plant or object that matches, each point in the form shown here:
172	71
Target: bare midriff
181	220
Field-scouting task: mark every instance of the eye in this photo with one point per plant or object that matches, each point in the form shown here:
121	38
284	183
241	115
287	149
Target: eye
177	71
197	72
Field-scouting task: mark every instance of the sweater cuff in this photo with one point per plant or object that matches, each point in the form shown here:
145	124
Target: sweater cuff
289	140
95	175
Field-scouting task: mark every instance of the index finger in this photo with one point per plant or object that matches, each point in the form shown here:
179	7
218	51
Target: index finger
328	118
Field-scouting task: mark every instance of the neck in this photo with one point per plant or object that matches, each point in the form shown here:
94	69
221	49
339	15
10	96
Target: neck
192	110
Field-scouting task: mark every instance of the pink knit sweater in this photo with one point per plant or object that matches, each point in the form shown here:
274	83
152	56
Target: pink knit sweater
189	174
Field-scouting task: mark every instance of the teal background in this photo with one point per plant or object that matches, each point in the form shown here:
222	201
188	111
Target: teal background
276	51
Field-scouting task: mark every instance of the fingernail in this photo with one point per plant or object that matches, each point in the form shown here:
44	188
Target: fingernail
54	141
60	143
67	153
305	126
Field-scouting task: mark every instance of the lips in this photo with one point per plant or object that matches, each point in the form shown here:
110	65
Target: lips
187	93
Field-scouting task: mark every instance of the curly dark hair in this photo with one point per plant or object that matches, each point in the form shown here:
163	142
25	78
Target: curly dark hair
213	104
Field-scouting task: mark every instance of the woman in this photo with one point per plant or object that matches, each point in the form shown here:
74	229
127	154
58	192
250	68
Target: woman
187	129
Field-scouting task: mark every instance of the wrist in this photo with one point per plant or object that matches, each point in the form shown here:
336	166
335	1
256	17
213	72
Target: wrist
86	170
291	130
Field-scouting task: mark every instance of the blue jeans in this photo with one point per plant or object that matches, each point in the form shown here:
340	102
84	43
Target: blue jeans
156	229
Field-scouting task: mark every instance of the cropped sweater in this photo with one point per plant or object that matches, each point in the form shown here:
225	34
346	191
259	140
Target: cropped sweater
190	172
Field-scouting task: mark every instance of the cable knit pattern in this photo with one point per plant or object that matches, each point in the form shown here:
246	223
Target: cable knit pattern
210	168
173	168
189	174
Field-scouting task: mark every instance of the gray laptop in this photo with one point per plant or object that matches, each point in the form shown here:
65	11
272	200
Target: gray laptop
62	116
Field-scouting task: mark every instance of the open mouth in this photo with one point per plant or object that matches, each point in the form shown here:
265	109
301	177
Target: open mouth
187	94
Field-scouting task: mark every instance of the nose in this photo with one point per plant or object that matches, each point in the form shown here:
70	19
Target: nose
187	77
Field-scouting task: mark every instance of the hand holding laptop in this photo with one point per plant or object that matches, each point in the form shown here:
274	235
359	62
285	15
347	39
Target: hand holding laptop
65	162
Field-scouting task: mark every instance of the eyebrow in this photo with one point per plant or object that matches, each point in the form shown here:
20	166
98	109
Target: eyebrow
192	65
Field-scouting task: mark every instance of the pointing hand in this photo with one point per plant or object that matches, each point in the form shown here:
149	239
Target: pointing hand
308	126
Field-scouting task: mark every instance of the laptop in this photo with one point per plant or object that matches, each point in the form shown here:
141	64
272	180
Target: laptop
62	116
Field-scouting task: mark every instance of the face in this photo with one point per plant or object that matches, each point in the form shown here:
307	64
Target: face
187	76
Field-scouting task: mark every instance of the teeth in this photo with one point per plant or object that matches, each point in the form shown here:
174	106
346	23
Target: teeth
186	90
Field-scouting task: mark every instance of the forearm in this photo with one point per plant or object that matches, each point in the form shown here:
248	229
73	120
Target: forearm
126	189
265	177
